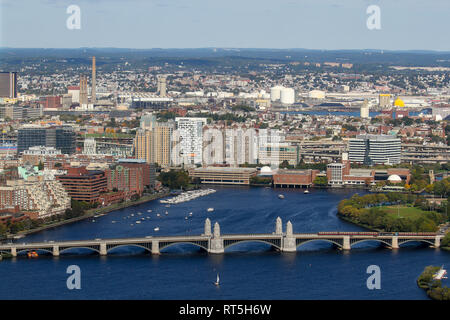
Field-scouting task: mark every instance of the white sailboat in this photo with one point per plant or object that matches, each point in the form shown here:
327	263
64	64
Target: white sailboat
217	280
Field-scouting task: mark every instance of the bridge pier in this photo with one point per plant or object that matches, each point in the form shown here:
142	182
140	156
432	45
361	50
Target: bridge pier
215	244
155	247
346	243
289	242
14	251
103	251
394	242
437	241
55	251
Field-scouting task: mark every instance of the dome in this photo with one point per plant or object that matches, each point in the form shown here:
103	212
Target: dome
394	178
266	170
399	103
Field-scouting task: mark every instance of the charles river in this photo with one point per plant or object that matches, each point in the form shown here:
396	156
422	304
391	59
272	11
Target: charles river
247	270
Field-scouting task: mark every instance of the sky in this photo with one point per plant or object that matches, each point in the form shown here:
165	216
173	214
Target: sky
310	24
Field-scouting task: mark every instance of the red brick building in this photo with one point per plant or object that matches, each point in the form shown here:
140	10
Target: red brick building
127	179
294	178
84	185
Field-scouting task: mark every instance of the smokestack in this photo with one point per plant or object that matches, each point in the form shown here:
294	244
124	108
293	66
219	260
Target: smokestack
93	92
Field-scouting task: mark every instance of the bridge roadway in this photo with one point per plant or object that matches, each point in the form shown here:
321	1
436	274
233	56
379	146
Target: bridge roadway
217	243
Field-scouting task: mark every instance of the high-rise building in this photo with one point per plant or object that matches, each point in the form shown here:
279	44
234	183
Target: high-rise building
189	140
60	137
375	149
8	85
93	89
154	145
148	121
162	86
83	91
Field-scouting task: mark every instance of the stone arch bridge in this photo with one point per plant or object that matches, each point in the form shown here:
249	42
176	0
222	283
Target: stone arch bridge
215	242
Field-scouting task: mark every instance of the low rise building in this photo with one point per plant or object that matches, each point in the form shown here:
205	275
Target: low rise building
223	175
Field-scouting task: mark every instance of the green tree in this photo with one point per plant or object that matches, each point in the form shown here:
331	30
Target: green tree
320	181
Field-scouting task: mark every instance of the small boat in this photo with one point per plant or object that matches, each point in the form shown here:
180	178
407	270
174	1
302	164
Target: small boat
185	218
113	221
281	196
139	213
210	209
217	280
137	222
306	191
158	215
156	229
142	219
190	214
166	213
132	214
149	210
32	254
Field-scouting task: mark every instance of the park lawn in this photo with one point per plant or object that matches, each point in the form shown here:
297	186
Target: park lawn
404	212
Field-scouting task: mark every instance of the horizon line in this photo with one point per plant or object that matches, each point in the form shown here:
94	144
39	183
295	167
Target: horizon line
223	48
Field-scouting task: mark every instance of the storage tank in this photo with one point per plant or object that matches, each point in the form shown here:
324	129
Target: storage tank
275	93
287	96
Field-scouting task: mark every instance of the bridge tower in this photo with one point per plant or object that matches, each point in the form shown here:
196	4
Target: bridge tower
279	226
216	242
289	242
207	227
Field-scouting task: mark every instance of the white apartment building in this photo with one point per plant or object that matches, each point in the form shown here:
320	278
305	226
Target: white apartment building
375	149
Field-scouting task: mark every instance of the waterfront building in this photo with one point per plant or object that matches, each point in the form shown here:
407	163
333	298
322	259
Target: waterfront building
36	198
375	149
294	178
223	175
60	137
148	170
127	179
84	185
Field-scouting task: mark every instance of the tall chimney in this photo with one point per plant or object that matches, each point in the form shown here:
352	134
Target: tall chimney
93	92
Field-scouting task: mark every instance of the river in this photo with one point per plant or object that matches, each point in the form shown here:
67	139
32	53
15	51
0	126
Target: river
247	270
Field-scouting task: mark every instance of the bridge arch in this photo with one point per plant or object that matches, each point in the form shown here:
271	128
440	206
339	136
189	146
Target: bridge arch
128	245
367	240
299	244
251	240
164	245
70	248
401	241
34	249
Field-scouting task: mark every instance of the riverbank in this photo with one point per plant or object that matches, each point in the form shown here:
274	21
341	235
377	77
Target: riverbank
432	286
91	213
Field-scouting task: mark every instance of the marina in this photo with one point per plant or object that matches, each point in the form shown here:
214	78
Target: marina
188	196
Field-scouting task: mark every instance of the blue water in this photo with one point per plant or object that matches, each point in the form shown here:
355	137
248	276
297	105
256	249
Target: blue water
247	270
